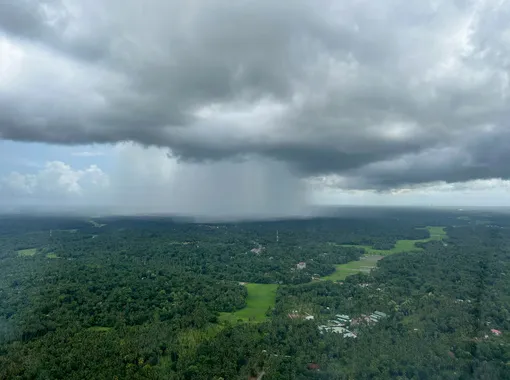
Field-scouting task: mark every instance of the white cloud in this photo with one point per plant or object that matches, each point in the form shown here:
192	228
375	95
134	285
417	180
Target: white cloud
147	180
88	153
56	179
489	192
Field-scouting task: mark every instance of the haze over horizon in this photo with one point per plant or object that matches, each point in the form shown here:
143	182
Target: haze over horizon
253	108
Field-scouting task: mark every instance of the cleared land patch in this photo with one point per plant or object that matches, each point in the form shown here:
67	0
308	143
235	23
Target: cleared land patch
99	329
369	260
365	264
436	233
27	252
52	256
260	298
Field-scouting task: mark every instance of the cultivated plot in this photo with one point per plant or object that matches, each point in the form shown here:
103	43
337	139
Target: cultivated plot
27	252
365	264
436	233
260	298
369	260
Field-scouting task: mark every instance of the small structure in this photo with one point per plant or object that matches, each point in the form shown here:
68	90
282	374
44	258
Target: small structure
496	332
377	316
256	251
295	314
337	330
309	318
362	319
313	366
380	314
301	265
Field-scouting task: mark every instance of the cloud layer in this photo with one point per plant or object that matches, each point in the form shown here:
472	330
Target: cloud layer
145	180
376	94
55	184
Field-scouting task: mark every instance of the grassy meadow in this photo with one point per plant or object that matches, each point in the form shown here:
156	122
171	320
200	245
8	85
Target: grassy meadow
27	252
260	298
436	233
365	264
369	260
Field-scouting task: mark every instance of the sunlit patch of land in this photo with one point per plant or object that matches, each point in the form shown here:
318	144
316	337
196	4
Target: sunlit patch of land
27	252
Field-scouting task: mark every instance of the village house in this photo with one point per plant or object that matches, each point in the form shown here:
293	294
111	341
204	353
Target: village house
296	315
301	265
257	251
337	330
313	366
341	319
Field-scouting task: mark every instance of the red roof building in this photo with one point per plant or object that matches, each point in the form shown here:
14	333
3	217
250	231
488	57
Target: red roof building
313	366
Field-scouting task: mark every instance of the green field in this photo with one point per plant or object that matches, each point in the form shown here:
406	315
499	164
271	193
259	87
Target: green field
436	233
369	260
51	256
260	298
366	263
27	252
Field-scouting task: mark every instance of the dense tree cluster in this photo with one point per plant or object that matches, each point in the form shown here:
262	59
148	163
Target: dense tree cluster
139	298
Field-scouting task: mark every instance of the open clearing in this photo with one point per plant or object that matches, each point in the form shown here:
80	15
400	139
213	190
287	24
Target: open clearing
365	264
260	298
52	256
372	256
436	233
27	252
99	329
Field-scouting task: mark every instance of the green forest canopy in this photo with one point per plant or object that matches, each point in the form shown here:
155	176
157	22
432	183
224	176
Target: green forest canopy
151	298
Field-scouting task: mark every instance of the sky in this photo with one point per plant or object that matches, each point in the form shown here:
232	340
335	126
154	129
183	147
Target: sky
253	107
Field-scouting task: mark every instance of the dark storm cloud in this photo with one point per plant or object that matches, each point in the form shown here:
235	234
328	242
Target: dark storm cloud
382	94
